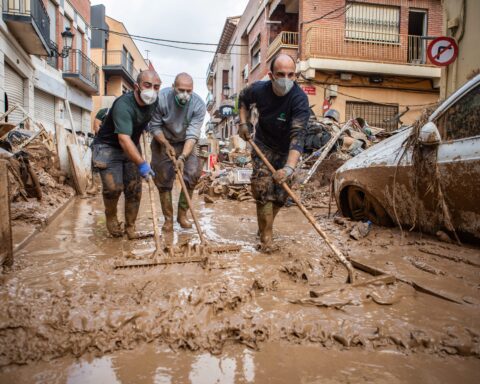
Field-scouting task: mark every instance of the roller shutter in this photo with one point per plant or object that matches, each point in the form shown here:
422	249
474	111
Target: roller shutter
77	117
14	90
86	121
45	109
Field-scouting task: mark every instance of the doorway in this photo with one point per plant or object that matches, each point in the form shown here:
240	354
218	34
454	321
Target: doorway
417	27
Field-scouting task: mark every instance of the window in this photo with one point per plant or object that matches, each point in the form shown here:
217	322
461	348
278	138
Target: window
255	52
376	115
372	22
462	119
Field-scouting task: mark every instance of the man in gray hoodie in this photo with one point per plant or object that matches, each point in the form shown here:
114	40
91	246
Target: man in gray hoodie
176	125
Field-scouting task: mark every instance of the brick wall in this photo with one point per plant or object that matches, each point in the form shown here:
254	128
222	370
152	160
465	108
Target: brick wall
83	8
260	28
312	9
289	22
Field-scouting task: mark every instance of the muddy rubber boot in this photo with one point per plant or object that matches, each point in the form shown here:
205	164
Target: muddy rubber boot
167	209
182	211
265	226
113	225
131	212
276	209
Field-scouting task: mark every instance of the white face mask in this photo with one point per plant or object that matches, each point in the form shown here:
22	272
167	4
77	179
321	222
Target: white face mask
149	96
182	98
282	86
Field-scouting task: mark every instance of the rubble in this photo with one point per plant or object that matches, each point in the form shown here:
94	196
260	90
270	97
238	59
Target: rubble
37	185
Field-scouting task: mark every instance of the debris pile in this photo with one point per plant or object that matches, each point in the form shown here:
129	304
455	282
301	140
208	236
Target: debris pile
37	185
227	183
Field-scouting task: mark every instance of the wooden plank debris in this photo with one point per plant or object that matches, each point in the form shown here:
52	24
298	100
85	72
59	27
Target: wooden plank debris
6	245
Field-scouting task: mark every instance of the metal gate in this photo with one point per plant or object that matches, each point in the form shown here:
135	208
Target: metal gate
14	91
376	115
45	109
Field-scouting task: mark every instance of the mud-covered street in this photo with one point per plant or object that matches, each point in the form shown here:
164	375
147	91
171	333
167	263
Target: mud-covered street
242	317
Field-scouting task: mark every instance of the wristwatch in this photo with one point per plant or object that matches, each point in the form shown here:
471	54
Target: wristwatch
182	157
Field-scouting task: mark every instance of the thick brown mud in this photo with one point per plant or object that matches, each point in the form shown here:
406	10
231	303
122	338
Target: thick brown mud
64	299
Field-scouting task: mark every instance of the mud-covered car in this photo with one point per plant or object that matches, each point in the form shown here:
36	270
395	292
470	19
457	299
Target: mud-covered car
426	177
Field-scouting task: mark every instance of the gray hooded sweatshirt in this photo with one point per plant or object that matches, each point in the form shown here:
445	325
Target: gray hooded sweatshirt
177	123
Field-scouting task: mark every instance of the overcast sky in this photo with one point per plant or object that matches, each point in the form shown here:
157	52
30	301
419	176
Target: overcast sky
185	20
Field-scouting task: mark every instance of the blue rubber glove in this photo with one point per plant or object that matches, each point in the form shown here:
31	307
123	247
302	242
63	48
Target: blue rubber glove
145	170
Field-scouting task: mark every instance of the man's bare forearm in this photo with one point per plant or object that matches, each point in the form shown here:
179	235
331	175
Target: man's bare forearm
188	147
243	115
96	126
293	156
130	149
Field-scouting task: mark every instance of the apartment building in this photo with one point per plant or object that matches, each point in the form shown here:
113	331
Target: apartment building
364	58
37	71
220	102
117	55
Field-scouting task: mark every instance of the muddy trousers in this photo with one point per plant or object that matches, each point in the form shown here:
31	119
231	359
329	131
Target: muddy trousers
165	177
119	174
270	196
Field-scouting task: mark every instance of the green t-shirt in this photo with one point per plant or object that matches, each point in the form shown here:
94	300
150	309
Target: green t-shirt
101	114
126	117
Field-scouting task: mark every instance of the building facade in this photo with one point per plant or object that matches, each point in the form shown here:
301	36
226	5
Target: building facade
118	57
219	80
32	76
364	58
460	21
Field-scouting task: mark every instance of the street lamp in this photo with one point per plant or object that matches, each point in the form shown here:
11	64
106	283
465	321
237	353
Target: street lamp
67	38
226	91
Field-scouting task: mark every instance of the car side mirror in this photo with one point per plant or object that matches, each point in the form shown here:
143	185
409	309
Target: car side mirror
429	135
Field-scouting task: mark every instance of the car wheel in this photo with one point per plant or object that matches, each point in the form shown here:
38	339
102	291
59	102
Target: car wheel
363	206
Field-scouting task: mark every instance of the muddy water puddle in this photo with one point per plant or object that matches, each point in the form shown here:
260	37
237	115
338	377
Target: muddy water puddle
275	363
63	299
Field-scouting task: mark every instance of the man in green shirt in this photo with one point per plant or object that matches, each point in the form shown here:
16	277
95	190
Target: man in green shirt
99	117
116	152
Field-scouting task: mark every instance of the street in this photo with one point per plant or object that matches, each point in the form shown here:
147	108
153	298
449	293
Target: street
244	317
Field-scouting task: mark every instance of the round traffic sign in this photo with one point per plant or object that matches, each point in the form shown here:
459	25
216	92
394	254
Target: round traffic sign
442	51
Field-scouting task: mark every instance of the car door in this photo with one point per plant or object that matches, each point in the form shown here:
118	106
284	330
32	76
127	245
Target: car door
459	160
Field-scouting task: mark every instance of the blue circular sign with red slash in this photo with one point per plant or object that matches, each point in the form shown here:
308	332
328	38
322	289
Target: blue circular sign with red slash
442	51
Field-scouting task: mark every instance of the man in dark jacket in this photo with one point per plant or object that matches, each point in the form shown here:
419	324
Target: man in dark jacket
280	133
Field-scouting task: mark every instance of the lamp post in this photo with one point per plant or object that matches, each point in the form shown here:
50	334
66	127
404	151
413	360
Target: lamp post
67	38
226	91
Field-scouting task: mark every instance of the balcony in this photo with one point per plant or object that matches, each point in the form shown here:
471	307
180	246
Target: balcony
118	63
28	21
382	51
286	42
79	70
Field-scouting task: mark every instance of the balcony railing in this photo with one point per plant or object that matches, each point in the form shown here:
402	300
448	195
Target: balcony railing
28	11
121	59
82	68
284	39
323	42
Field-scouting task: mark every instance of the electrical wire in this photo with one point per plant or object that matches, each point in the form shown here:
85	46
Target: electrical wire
174	46
329	13
193	77
162	40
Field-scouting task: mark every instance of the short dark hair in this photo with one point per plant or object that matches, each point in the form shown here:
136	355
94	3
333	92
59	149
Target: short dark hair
275	58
